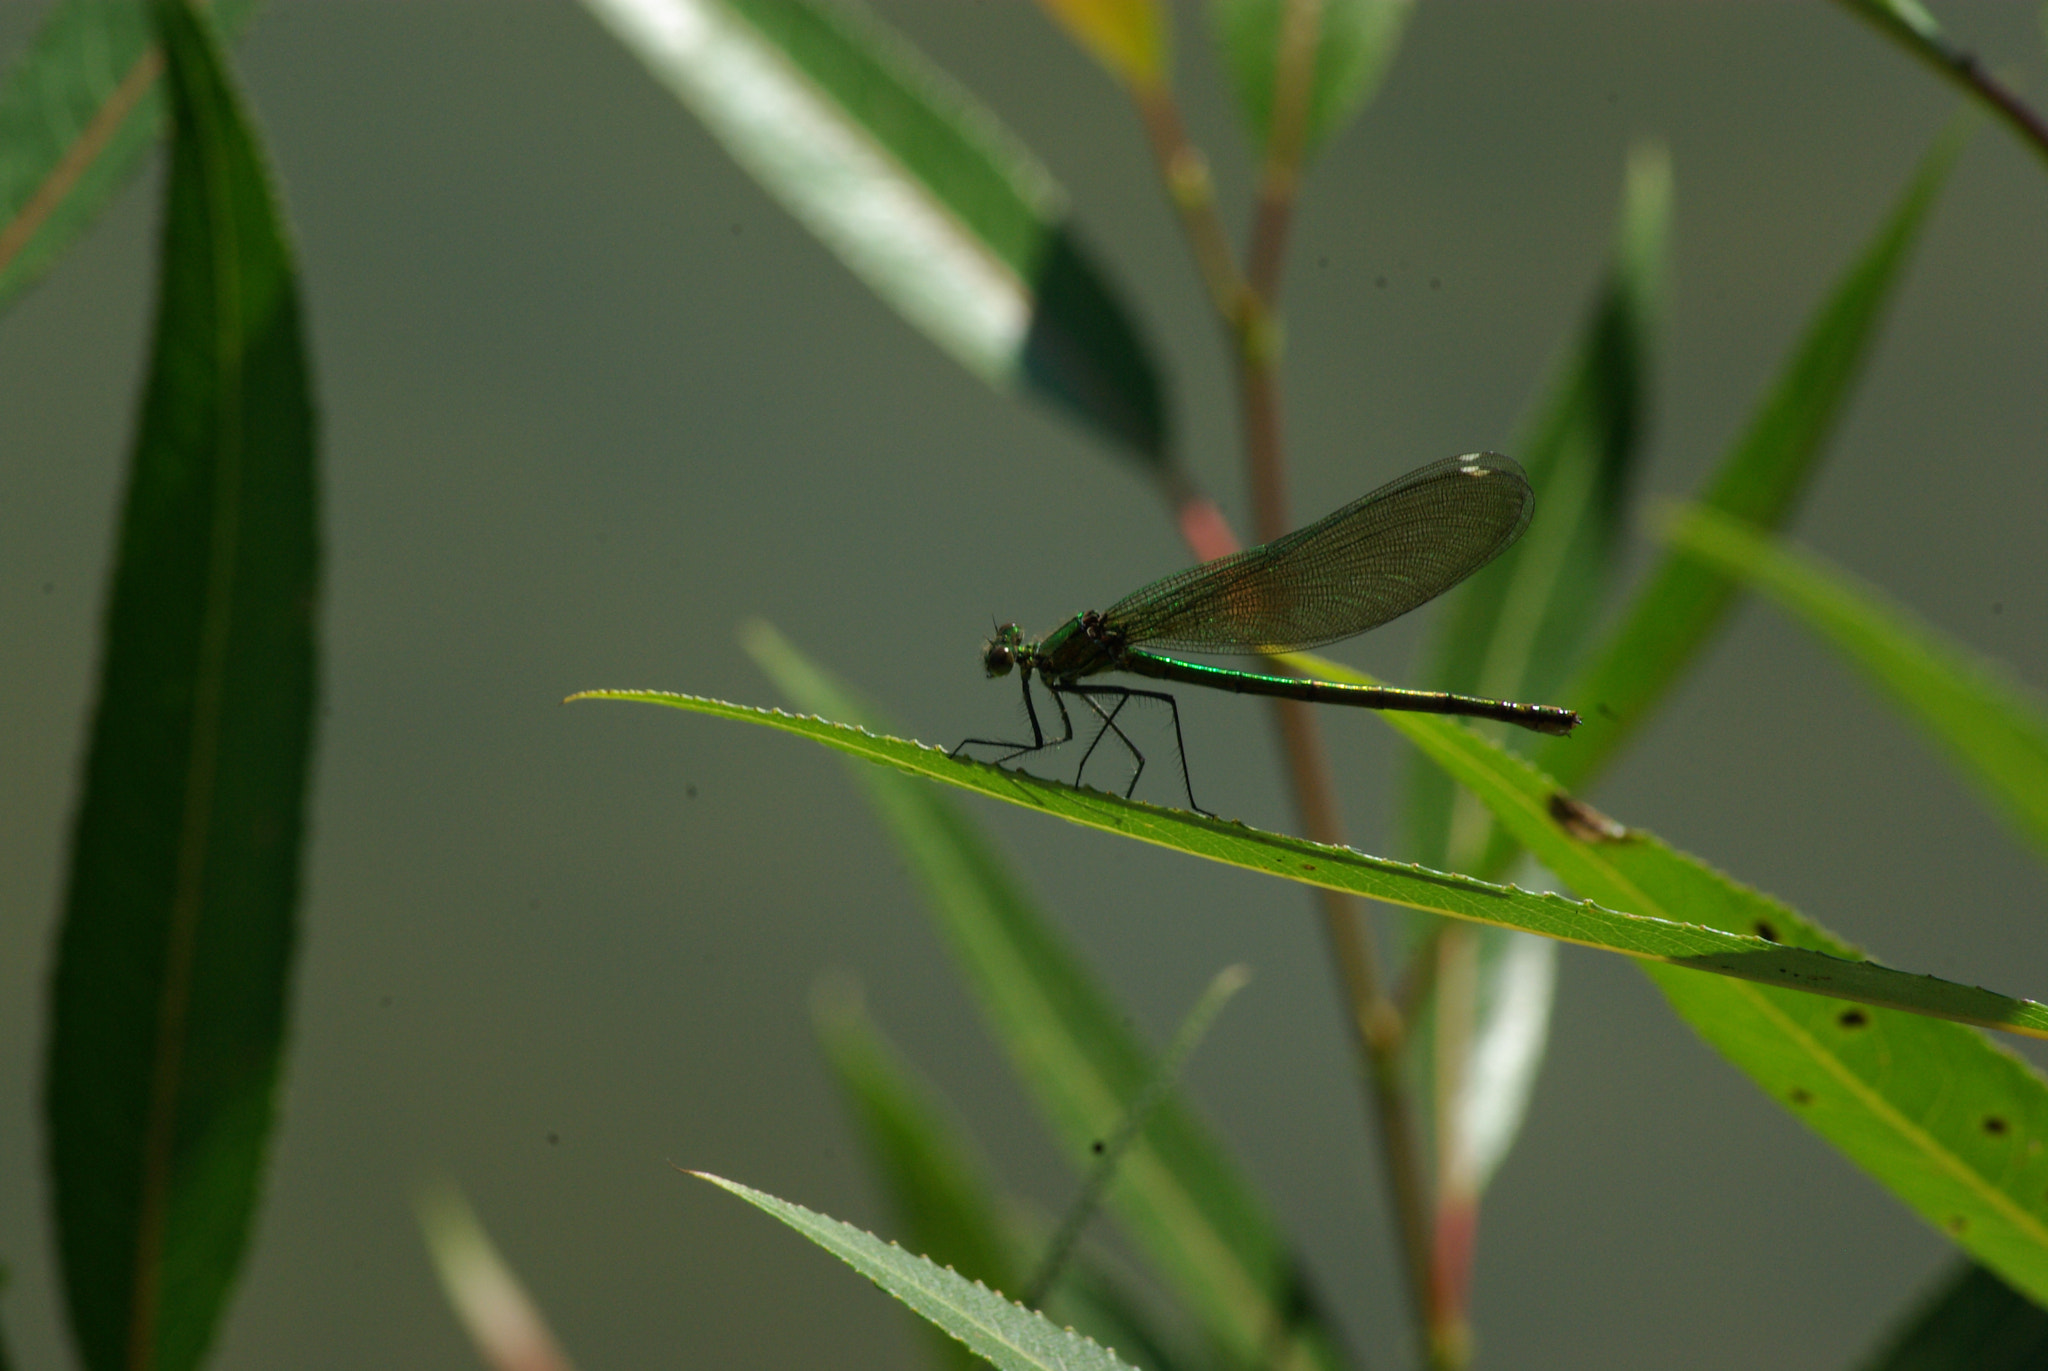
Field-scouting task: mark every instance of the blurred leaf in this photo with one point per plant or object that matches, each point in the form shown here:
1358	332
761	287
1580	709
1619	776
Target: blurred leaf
168	1005
1355	44
1513	633
1976	1322
938	1185
916	188
1196	1218
1655	938
1681	602
1127	36
1993	726
1007	1335
1110	1152
78	109
500	1317
1943	1118
1517	977
941	1190
1907	23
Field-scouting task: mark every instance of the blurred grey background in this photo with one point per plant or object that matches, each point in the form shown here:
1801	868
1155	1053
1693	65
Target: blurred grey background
591	401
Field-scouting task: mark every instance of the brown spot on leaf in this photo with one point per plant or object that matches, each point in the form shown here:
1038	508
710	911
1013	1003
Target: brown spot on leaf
1801	1095
1995	1126
1852	1018
1766	930
1584	822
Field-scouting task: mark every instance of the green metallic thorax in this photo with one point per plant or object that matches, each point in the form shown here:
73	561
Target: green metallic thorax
1079	647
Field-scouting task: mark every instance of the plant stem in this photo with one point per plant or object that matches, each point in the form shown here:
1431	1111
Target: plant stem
1961	67
1294	70
1244	304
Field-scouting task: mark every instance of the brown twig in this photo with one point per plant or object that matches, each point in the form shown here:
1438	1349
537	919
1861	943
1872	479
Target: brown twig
1244	304
1960	67
1294	70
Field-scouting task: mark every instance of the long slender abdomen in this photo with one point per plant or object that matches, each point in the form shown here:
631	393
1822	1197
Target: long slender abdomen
1541	718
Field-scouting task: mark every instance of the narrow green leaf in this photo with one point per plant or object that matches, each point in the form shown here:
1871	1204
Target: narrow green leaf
1975	1322
916	188
1187	1206
1908	23
174	958
502	1321
1654	938
78	109
1355	45
1110	1151
938	1184
1513	633
1682	603
1946	1120
1994	727
942	1191
1004	1334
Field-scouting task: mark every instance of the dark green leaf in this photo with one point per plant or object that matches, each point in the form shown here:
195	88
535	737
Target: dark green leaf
77	111
914	186
1355	44
174	958
5	1276
1974	1322
1682	603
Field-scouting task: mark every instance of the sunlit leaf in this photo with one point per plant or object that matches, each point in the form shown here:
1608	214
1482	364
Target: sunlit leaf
1007	1335
1949	1122
1702	947
1127	36
916	188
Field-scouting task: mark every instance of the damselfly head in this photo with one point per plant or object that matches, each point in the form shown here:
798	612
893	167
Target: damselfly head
999	653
